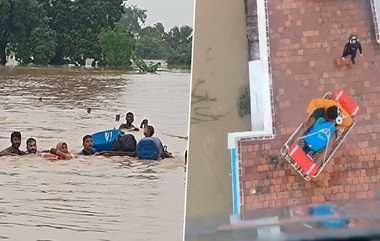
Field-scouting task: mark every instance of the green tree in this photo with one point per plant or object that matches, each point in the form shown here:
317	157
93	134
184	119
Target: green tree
61	19
244	102
179	41
19	20
78	24
131	20
117	48
179	36
44	45
6	23
151	43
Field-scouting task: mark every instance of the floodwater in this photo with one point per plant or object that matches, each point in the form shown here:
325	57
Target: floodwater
219	76
91	198
220	70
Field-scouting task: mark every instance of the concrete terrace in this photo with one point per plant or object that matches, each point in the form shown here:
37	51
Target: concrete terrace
305	38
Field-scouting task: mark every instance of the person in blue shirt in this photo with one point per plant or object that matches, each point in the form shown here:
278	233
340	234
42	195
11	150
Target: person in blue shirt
322	130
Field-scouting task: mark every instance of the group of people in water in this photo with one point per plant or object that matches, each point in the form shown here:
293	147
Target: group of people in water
61	150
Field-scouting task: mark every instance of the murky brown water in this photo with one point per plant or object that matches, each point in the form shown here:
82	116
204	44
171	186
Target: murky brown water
219	73
91	198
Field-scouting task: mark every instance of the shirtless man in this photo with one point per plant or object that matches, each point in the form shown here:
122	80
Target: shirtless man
129	118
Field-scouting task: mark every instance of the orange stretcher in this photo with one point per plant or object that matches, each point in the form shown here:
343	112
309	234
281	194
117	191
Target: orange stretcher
310	165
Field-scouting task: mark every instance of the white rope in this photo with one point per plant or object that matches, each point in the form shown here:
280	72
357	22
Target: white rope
312	134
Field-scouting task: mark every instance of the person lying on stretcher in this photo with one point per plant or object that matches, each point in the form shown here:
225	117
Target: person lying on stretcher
325	116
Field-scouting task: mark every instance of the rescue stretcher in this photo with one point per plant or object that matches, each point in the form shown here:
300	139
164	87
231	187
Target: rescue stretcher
310	165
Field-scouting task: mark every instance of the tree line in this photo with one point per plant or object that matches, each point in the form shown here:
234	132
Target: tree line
61	32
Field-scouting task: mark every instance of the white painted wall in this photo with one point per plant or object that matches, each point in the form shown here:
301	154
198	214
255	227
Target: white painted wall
376	17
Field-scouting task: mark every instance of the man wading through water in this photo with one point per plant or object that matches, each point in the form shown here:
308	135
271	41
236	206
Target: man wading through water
351	48
14	150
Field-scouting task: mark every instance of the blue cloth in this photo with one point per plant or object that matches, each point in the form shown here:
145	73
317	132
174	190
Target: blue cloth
329	210
318	136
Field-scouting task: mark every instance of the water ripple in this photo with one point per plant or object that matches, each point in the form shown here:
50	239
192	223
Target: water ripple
90	198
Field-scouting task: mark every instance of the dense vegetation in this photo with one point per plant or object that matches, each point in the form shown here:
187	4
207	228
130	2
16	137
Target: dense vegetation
112	33
244	103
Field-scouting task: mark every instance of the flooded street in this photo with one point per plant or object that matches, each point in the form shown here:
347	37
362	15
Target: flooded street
91	198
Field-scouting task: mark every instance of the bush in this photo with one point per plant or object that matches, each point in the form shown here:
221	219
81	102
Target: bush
244	102
117	48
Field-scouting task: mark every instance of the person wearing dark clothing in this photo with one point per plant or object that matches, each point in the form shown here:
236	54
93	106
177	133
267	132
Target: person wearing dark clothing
14	150
87	150
352	47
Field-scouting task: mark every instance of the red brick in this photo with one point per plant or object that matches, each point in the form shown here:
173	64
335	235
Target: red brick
361	195
318	199
355	170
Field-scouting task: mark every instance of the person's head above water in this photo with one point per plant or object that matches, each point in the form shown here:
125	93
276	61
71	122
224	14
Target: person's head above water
332	113
31	145
87	142
16	139
62	147
129	117
148	131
